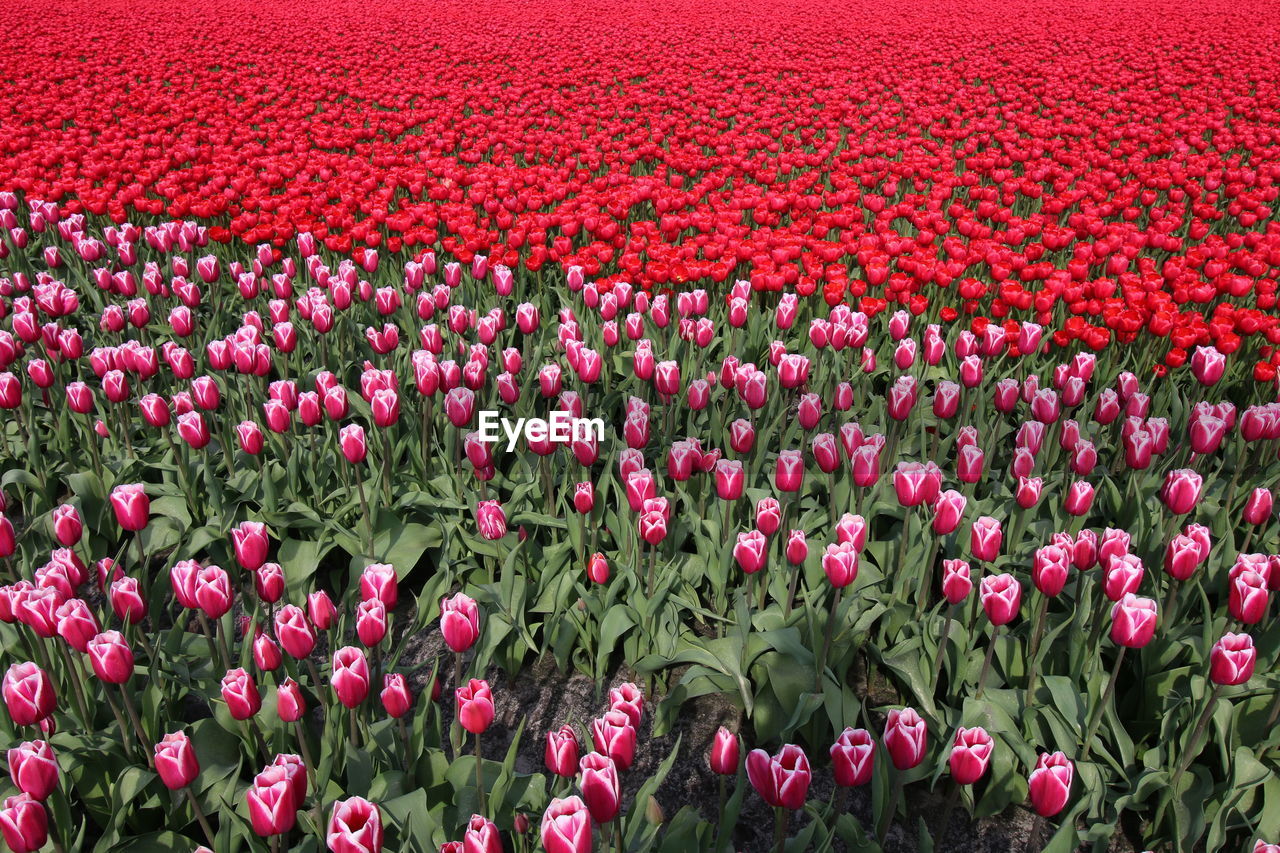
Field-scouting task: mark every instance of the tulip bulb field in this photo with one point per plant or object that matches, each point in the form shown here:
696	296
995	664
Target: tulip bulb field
616	426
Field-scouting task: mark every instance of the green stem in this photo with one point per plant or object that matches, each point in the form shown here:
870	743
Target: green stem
1096	717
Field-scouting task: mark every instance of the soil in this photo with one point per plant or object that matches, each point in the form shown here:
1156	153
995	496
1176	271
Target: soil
546	699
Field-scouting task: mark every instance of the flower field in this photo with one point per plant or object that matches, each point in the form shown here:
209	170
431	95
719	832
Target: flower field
874	405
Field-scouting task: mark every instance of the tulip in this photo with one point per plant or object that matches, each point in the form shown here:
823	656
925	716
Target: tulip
320	610
269	582
956	581
76	623
600	786
566	826
789	474
797	548
840	564
175	760
67	525
853	757
615	735
905	734
1001	596
378	580
212	591
1049	569
350	676
459	622
598	568
290	704
241	694
986	537
33	769
352	440
481	836
475	706
491	520
111	657
272	802
561	753
1247	594
355	826
1133	621
1231	660
294	632
782	780
131	505
629	699
1181	490
751	551
24	823
970	755
726	753
852	528
250	541
1257	509
948	509
1050	783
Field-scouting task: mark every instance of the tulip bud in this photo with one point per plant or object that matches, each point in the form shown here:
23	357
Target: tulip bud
1232	659
561	754
726	754
474	706
853	758
1050	783
459	622
905	734
175	760
970	755
782	780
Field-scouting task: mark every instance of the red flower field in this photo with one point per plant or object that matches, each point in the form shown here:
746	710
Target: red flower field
1098	169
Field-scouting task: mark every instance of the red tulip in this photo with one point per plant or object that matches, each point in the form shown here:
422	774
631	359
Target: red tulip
970	754
614	735
782	780
1232	659
251	544
475	706
355	826
956	581
350	676
126	600
132	506
290	704
566	826
378	580
67	525
1181	490
241	694
1001	596
33	769
853	757
1049	569
598	568
482	836
352	440
175	760
948	509
768	516
1133	621
24	824
751	551
840	563
459	622
273	807
111	657
1050	783
600	787
905	734
726	753
629	699
320	610
212	591
986	536
789	475
561	752
491	520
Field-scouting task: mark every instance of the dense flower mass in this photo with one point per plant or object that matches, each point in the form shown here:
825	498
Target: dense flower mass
1028	163
926	361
